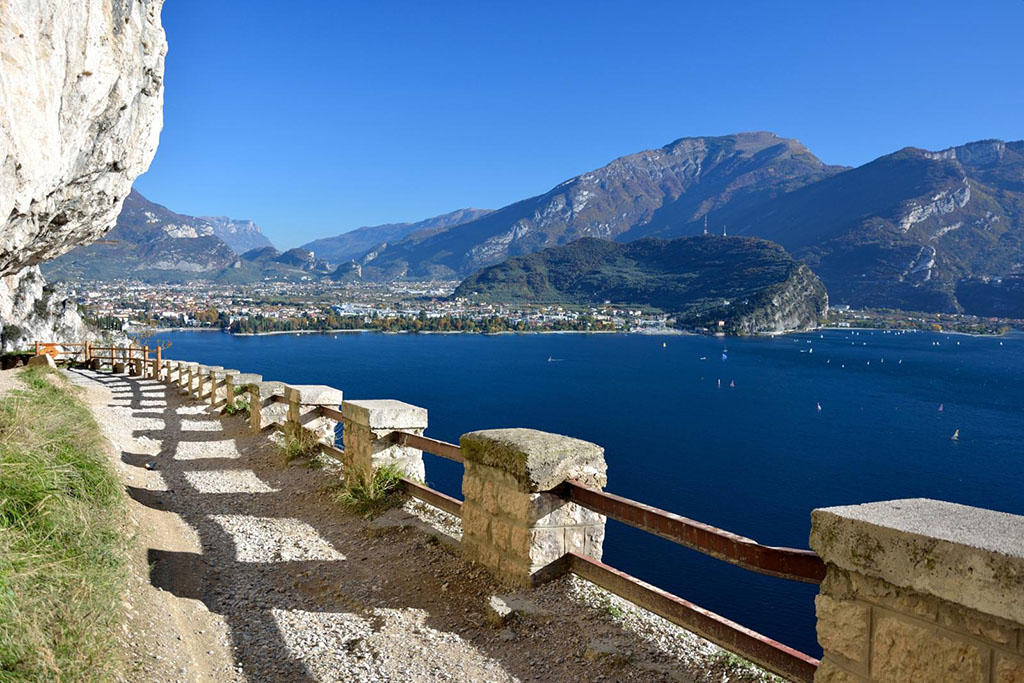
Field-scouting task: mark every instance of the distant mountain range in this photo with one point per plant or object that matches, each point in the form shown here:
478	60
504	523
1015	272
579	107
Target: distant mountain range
151	242
240	235
744	284
683	180
148	242
356	244
920	230
909	230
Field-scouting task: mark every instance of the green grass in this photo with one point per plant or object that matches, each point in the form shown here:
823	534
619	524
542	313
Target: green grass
300	445
63	539
237	407
369	496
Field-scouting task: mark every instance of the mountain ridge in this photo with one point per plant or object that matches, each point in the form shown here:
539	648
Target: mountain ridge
608	201
154	243
354	244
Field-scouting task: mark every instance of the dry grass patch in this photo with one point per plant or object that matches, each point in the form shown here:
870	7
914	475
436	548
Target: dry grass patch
63	539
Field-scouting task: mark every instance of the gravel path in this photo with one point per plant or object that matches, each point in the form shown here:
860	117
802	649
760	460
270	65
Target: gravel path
247	570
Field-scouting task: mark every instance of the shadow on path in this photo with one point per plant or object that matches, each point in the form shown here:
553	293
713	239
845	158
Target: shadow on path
307	592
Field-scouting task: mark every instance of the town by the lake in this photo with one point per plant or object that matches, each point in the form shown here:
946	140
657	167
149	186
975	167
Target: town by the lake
275	306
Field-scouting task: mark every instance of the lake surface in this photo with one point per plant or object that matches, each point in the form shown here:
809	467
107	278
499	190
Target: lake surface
753	456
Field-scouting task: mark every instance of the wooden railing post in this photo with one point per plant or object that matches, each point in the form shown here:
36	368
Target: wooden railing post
37	347
512	522
117	363
173	371
185	370
159	362
205	380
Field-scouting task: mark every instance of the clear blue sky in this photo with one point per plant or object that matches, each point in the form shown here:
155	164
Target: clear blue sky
316	117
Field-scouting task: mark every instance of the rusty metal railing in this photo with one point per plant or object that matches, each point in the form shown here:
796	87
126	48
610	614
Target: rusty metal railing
785	563
758	648
442	449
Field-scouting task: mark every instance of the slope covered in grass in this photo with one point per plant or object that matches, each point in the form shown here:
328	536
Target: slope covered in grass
62	536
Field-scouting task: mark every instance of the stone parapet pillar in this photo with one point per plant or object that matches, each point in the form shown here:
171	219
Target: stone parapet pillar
218	386
920	590
188	371
237	383
511	522
191	375
304	403
264	411
204	383
367	422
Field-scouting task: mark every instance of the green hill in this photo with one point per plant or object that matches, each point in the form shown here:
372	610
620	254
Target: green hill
752	285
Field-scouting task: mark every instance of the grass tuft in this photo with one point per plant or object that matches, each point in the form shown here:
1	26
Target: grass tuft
238	406
301	444
369	496
63	541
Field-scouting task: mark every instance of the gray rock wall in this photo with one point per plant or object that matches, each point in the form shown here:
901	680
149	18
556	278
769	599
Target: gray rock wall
81	99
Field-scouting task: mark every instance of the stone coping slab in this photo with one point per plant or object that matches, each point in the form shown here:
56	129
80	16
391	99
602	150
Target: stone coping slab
269	388
385	413
966	555
538	460
316	394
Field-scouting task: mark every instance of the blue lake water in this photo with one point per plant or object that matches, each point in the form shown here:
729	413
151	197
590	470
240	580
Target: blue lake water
754	458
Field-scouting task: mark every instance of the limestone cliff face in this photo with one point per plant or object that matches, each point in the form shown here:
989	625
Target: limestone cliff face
81	98
31	311
795	305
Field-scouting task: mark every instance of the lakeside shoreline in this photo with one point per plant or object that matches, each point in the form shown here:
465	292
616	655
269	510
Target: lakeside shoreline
648	332
666	332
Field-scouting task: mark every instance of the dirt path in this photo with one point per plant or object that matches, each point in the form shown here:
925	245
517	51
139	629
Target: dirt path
247	570
166	638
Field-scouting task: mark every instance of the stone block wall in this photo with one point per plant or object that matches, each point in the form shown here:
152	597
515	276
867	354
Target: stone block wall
237	382
511	522
920	590
218	384
304	401
264	411
187	380
368	422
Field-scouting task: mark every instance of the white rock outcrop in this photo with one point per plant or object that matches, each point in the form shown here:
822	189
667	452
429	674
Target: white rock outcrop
81	101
